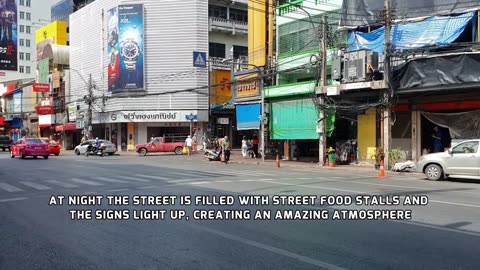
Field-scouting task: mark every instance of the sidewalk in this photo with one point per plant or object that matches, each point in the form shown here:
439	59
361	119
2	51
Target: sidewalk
236	157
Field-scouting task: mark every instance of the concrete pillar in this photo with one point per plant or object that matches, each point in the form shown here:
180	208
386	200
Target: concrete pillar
387	135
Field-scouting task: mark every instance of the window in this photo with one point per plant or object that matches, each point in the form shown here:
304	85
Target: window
238	15
22	69
466	148
22	42
22	56
216	50
22	28
29	16
29	29
217	11
22	15
28	42
22	2
28	3
27	56
28	69
239	51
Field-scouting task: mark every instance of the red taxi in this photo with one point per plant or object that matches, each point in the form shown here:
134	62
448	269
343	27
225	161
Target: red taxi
29	147
53	146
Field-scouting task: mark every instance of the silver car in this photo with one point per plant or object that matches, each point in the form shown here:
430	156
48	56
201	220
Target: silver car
82	148
460	161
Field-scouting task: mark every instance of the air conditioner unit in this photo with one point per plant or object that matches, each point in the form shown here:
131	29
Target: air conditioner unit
356	65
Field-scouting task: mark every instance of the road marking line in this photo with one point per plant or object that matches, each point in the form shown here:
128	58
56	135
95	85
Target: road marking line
247	180
133	178
106	179
360	192
199	183
90	192
266	179
86	182
270	248
118	190
147	187
9	188
36	185
152	177
62	184
183	174
305	178
223	181
179	181
13	199
453	203
317	187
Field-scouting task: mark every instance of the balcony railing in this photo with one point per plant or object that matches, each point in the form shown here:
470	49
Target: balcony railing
221	24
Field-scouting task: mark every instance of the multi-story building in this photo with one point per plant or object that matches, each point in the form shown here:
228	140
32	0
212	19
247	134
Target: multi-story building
142	69
228	45
63	8
31	16
293	110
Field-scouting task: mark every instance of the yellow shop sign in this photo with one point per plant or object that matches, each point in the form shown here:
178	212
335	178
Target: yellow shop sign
246	86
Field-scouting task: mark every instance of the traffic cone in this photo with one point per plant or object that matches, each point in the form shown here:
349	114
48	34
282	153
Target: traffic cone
382	170
278	161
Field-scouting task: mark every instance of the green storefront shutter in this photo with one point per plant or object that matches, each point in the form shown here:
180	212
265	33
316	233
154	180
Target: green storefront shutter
294	119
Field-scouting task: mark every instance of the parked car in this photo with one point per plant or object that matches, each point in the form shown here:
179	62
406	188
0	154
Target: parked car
460	161
5	142
53	146
82	148
157	145
30	147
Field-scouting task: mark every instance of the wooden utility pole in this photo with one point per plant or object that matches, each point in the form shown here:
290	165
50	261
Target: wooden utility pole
387	127
322	118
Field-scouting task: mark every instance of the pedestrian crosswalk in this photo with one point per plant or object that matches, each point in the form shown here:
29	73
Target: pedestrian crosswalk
167	177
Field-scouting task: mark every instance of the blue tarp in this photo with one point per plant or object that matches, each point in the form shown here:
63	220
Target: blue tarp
248	116
434	31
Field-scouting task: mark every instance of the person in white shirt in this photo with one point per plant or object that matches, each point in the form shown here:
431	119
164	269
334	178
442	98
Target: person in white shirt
244	147
189	143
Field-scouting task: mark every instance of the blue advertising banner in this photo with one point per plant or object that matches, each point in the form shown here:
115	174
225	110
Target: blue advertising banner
8	35
125	48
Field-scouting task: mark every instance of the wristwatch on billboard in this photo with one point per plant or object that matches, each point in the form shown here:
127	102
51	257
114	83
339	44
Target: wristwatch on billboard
130	52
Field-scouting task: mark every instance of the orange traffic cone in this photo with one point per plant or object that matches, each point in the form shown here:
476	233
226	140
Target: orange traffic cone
278	161
382	170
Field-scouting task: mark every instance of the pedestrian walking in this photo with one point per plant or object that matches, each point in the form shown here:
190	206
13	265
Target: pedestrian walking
255	143
204	141
437	142
244	147
188	144
226	148
194	139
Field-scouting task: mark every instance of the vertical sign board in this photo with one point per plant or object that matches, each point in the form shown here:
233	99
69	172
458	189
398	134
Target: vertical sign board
17	102
125	48
8	35
131	136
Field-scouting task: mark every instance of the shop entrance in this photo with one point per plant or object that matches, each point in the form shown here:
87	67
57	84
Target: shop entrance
428	139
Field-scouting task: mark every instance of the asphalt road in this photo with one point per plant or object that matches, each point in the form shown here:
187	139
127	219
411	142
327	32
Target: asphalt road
444	234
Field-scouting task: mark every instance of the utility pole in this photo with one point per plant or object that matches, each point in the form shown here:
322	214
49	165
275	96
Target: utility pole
89	101
262	111
322	119
386	76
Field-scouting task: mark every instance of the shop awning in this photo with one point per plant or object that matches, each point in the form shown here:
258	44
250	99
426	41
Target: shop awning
66	127
294	119
248	116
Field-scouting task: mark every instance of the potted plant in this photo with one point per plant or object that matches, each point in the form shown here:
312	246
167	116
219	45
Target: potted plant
394	155
378	156
332	157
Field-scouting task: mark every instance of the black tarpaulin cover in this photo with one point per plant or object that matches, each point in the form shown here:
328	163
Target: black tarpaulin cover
437	73
368	12
463	125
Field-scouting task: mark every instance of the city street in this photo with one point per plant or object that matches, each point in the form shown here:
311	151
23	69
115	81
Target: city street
35	235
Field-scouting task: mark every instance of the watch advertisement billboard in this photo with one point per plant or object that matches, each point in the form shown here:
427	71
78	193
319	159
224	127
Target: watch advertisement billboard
125	48
8	35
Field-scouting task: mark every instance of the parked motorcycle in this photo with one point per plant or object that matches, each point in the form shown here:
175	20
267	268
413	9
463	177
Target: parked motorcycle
93	150
212	155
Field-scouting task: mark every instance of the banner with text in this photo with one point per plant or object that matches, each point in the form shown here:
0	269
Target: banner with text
149	116
125	48
8	35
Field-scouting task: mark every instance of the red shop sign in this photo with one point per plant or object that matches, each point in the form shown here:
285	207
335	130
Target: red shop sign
44	110
41	87
2	121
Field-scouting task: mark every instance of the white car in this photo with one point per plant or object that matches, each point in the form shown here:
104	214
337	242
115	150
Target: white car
82	148
460	161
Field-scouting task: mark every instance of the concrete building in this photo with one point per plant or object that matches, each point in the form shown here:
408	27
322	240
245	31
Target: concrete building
173	97
61	10
31	16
